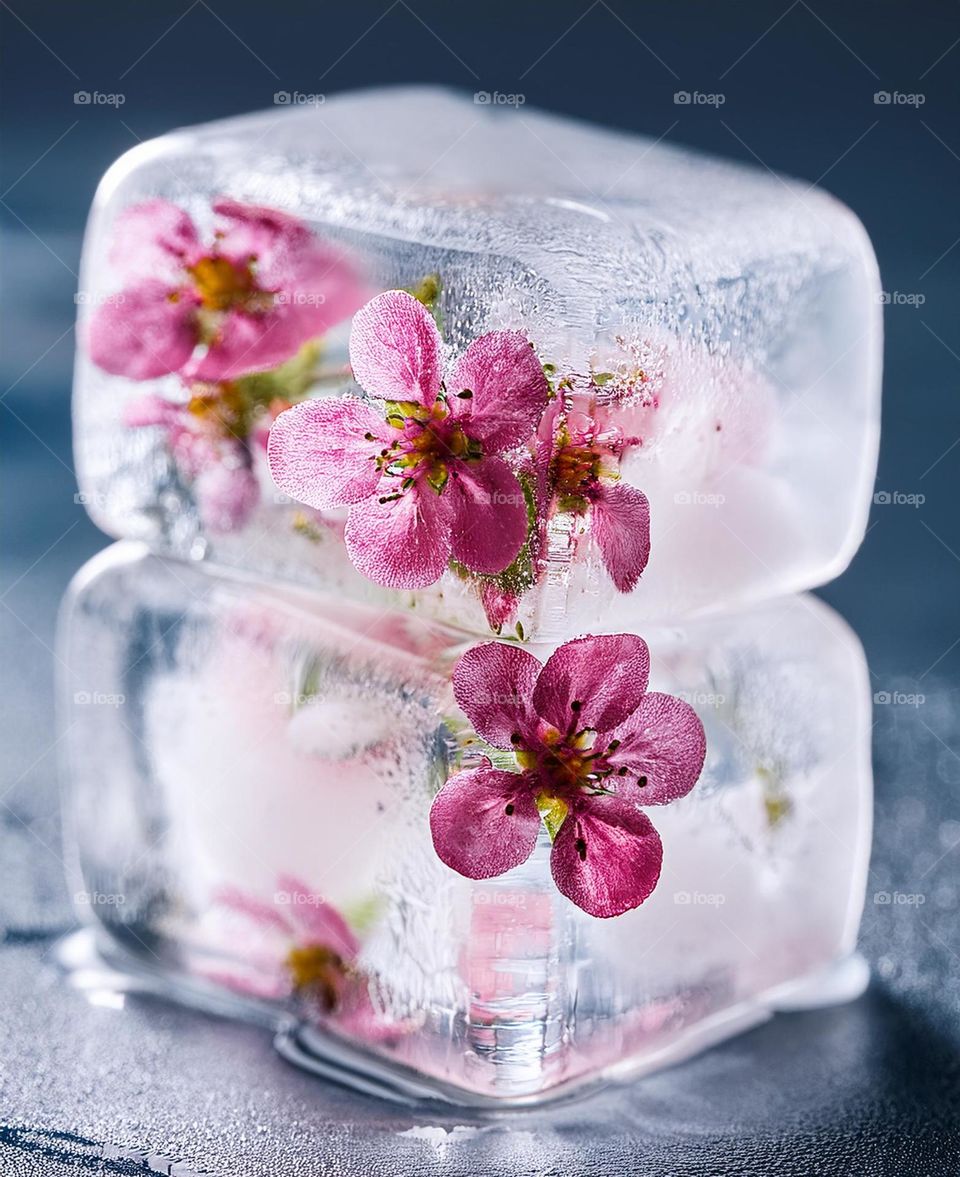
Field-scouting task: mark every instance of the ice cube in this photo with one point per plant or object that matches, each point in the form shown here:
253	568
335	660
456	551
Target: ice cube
251	774
711	331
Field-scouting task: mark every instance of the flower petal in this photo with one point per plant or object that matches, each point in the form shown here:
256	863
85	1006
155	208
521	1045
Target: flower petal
395	349
489	512
402	543
246	343
145	331
254	232
499	604
318	288
484	822
150	409
607	856
509	390
319	919
264	915
322	452
314	280
227	494
663	741
620	519
493	684
154	238
605	676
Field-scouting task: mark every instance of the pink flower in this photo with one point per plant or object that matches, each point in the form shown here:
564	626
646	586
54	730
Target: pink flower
424	479
584	474
247	300
208	455
299	948
592	745
303	945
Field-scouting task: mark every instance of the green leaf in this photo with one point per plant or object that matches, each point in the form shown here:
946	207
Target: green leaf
362	915
290	381
553	811
427	291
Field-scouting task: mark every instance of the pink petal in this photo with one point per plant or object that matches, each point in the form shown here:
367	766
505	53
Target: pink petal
226	495
606	857
663	741
499	604
253	232
395	349
317	288
272	984
319	919
484	822
193	451
606	677
246	343
145	331
621	522
493	684
262	914
509	389
314	283
490	514
319	452
315	279
153	239
151	409
403	543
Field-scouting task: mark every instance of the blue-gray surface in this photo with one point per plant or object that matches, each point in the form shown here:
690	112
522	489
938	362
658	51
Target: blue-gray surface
873	1087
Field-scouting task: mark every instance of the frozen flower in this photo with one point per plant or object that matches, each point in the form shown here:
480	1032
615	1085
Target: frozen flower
243	302
208	454
305	946
227	493
423	475
298	948
592	745
584	475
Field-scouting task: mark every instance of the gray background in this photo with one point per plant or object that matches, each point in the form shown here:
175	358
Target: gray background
869	1088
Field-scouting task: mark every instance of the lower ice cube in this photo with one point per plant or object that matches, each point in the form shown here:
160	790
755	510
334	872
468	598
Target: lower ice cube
250	775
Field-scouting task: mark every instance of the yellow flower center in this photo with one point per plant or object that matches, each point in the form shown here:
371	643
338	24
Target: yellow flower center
317	970
221	284
436	440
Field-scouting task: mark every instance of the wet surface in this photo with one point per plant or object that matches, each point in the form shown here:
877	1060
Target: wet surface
105	1083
